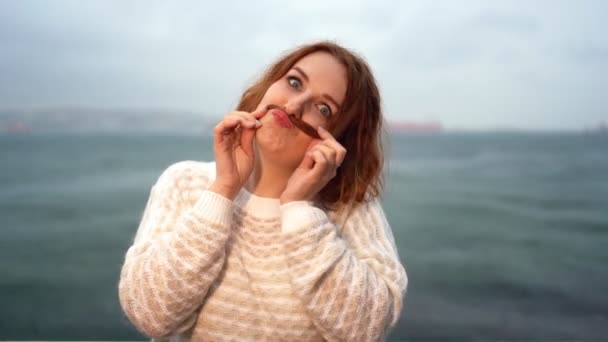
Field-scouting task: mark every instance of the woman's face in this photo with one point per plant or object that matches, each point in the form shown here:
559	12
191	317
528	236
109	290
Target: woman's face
313	89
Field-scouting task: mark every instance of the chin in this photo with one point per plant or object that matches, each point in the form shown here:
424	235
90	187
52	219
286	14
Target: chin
270	139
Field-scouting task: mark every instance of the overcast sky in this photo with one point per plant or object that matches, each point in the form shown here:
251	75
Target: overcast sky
468	64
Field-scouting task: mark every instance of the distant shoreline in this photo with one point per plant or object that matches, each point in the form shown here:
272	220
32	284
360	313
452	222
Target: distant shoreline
74	120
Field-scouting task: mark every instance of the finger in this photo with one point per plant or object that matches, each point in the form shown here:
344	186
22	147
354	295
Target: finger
340	150
248	117
232	121
321	163
230	129
324	134
328	138
248	120
258	113
329	153
253	115
225	126
247	141
307	162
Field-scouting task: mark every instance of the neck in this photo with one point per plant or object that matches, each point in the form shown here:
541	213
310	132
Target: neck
268	179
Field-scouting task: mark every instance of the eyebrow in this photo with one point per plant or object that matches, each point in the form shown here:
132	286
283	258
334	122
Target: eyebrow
326	96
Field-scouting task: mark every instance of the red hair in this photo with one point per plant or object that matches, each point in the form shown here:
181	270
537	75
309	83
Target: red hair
358	126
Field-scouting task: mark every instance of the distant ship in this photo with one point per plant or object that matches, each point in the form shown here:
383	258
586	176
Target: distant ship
600	128
415	127
16	128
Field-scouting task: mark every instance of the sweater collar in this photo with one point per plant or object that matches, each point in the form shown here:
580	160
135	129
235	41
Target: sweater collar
265	207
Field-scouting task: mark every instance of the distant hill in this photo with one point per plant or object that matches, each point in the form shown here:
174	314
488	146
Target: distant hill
83	120
90	120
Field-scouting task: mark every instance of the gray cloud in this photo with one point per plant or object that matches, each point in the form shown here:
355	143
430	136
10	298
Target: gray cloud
470	64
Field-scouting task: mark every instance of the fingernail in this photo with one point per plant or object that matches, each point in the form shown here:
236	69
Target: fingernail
258	123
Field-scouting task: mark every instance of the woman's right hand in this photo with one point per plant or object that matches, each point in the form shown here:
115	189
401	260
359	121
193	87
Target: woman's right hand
233	149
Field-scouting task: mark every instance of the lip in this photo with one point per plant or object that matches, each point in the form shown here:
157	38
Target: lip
281	118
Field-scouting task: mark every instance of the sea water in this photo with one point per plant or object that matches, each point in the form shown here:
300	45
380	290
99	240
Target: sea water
503	235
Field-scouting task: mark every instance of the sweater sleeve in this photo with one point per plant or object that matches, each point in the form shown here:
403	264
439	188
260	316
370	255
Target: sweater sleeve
178	251
352	284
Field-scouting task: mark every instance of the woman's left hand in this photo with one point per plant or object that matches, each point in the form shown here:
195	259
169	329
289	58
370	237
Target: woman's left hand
316	169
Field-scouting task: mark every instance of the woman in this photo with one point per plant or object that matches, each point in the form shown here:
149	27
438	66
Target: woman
283	237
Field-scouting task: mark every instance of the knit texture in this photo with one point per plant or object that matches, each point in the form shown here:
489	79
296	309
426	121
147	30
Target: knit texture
205	268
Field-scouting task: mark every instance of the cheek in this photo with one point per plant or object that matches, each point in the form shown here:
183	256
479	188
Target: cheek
297	148
274	93
314	118
301	143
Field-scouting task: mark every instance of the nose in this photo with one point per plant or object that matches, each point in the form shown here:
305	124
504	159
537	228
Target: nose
296	105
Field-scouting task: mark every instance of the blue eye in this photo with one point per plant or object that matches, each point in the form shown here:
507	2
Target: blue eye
325	110
294	82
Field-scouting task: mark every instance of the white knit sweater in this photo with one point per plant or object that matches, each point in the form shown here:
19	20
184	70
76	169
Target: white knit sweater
205	268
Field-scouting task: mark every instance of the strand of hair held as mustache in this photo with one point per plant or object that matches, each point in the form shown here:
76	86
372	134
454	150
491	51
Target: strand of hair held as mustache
303	126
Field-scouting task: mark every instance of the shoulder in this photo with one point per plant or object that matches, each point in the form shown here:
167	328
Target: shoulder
371	204
187	169
189	177
368	222
347	214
